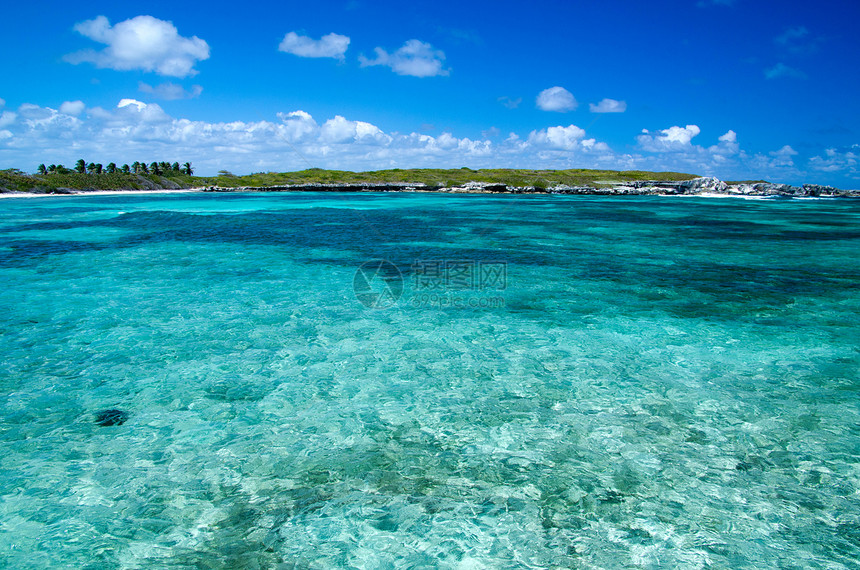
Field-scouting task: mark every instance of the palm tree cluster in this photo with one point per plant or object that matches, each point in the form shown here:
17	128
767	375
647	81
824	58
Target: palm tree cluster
158	168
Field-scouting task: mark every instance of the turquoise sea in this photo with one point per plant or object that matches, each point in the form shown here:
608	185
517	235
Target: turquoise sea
423	380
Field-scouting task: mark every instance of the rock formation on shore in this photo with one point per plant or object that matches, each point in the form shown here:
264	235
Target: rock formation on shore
697	186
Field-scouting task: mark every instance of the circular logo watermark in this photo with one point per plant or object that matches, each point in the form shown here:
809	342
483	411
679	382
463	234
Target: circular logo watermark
378	284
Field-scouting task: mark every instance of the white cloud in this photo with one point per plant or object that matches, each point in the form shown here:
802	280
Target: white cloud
835	160
415	58
132	110
491	133
7	118
509	102
340	130
139	130
2	102
785	152
144	43
556	99
131	102
296	126
565	138
782	70
608	106
729	137
330	45
73	108
170	91
672	139
784	156
727	146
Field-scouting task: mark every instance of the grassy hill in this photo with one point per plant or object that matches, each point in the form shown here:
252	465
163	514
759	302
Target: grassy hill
17	181
445	177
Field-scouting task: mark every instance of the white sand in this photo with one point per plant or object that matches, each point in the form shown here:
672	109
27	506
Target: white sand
101	193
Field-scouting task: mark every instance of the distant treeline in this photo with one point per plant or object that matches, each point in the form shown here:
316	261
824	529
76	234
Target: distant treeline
82	167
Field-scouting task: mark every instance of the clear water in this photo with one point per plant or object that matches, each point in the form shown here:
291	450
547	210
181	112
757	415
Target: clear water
662	382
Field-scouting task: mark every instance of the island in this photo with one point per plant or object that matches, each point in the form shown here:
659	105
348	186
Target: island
58	180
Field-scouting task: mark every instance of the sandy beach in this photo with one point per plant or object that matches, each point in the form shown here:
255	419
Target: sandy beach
100	193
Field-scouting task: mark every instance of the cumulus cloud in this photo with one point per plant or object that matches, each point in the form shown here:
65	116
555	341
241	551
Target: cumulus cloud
136	129
170	91
726	147
782	70
784	156
730	137
7	118
608	106
341	130
73	108
415	58
556	99
565	138
330	45
144	43
838	160
140	105
672	139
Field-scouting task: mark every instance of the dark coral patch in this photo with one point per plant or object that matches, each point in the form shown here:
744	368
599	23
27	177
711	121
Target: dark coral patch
111	417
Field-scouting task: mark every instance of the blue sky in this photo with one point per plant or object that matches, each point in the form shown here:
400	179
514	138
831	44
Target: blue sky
738	89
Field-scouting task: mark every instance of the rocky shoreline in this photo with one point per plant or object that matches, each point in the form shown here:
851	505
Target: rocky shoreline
697	186
703	186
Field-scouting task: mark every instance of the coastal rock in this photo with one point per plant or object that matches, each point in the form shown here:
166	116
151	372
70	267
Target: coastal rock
766	189
818	190
168	184
479	187
705	183
695	186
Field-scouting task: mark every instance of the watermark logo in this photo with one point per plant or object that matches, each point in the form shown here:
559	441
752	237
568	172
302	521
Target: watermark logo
378	284
436	283
459	275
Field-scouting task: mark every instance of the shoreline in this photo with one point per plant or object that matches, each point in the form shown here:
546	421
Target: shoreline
705	187
100	193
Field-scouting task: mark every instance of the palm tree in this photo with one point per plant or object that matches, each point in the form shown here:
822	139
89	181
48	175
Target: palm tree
143	168
154	168
81	166
98	168
111	168
52	168
125	169
136	167
42	169
174	167
187	169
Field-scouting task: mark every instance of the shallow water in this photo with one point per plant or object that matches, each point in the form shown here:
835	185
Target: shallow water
632	382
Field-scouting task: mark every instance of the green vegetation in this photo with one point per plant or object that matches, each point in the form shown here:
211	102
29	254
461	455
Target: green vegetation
142	176
61	180
443	177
